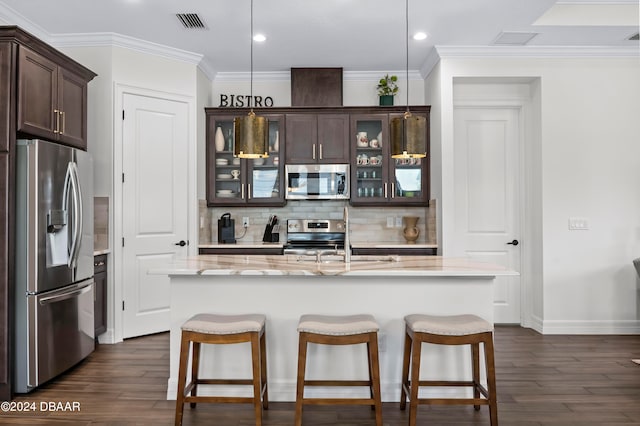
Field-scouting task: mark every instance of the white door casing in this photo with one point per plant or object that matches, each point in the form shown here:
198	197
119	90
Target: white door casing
155	135
487	196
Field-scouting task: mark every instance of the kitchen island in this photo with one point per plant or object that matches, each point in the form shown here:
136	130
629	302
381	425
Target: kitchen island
285	287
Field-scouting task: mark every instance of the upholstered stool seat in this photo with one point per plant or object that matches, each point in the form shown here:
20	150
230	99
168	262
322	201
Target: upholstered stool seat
448	330
223	329
339	330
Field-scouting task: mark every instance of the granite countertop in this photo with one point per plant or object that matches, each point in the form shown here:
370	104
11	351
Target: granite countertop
242	245
97	252
225	265
382	244
354	244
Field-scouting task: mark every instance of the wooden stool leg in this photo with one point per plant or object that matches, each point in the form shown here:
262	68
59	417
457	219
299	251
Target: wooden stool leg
182	377
405	370
263	370
369	363
195	367
256	363
475	368
491	379
374	370
302	364
416	350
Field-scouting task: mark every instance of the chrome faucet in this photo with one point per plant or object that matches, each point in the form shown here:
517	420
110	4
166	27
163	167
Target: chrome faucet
347	239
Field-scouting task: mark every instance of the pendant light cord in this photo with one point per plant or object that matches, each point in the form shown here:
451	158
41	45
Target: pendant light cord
251	77
406	10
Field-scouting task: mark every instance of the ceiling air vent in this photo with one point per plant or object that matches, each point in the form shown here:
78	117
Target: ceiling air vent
514	38
191	21
634	37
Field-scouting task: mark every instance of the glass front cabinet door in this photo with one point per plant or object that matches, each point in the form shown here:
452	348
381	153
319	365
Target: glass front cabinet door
233	181
376	177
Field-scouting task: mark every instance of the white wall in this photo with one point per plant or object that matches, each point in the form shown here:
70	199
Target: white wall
99	113
588	158
203	91
433	97
119	67
357	89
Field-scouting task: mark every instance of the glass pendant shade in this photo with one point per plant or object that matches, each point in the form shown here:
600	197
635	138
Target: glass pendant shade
251	136
408	136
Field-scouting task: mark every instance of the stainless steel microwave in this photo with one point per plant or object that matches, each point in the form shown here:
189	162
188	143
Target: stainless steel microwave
317	181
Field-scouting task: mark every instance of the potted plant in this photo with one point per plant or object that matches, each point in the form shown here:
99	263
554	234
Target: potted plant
387	89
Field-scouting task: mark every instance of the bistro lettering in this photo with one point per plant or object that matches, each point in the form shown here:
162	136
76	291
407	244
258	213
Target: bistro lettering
245	101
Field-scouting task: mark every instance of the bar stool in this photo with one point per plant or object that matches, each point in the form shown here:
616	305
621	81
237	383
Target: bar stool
339	330
223	329
448	330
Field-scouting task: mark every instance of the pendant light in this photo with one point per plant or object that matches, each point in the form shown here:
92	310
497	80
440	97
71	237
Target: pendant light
251	133
408	133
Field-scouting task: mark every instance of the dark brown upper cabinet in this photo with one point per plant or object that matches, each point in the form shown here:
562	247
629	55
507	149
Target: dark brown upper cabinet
376	178
232	181
52	101
311	135
317	138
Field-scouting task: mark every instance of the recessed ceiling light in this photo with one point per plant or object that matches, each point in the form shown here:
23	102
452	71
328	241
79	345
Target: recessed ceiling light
259	38
419	36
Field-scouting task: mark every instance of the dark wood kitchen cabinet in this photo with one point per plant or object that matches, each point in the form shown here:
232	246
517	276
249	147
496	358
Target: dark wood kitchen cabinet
376	178
311	135
50	80
6	219
317	138
232	181
100	294
52	101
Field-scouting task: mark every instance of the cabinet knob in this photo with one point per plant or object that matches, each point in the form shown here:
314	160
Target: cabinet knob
514	243
181	243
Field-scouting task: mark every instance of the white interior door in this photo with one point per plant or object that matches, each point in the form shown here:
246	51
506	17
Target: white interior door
487	204
155	206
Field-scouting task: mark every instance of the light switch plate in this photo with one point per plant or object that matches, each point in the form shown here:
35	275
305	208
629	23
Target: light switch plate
389	221
398	221
578	223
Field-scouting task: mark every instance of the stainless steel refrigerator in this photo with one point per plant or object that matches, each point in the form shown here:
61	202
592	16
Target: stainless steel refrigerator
54	327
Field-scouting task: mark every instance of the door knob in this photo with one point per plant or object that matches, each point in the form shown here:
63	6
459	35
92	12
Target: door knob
183	243
514	243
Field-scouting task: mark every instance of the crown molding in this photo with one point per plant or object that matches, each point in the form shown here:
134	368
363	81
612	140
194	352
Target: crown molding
538	51
224	77
229	77
119	40
432	60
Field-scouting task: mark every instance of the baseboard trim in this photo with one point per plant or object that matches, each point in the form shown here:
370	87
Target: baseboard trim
587	327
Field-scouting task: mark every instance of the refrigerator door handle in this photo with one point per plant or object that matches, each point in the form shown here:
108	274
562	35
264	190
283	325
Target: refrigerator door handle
66	295
77	214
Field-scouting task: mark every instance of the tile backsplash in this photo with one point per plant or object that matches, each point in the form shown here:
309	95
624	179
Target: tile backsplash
100	223
368	224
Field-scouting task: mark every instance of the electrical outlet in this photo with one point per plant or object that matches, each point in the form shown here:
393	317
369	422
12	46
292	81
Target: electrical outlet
398	221
578	223
245	222
389	221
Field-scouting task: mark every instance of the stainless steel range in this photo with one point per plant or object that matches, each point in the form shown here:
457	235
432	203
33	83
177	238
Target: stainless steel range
311	236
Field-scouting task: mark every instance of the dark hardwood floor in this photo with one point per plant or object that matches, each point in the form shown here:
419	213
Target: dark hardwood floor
542	380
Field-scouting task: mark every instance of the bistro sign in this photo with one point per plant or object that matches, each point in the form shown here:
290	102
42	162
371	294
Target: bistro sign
236	101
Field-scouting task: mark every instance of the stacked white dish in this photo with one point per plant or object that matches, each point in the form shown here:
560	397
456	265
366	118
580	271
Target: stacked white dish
223	176
221	161
225	193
